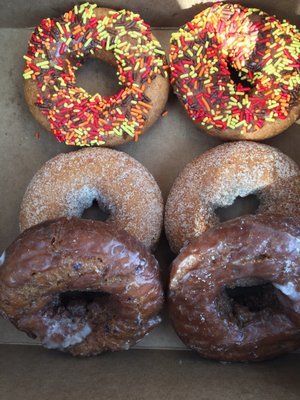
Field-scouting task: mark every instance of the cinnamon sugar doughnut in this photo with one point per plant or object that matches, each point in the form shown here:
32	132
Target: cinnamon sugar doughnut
264	54
69	183
80	286
235	290
59	46
218	176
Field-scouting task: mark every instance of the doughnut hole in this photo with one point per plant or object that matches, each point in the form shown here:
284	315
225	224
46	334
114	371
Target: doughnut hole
249	300
96	76
238	77
67	299
88	203
73	315
241	206
96	212
77	304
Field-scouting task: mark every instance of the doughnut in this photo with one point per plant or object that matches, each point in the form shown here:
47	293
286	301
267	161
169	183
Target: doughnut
235	290
218	176
236	71
68	184
80	286
59	46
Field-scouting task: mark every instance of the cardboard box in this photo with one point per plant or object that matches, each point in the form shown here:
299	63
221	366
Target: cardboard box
149	371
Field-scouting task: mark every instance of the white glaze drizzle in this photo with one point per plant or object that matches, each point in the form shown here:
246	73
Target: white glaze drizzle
290	291
2	258
69	339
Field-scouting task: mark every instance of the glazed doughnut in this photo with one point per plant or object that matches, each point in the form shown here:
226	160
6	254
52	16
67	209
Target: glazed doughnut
264	53
58	47
69	183
218	176
80	286
235	290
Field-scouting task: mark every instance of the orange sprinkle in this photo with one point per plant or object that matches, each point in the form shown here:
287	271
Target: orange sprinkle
268	93
205	103
201	72
146	105
266	28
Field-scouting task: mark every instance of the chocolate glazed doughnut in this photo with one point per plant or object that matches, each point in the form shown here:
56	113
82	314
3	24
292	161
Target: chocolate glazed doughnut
59	46
236	70
235	290
80	286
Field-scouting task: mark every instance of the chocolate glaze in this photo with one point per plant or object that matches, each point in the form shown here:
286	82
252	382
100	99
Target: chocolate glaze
120	294
46	97
247	251
251	36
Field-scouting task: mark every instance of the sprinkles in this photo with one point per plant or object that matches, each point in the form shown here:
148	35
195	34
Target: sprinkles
264	52
58	47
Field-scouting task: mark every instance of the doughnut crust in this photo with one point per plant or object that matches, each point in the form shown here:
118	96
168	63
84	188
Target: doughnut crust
69	183
218	176
120	38
236	70
80	286
212	317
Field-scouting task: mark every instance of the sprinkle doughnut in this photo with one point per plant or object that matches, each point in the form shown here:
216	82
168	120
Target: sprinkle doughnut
80	286
58	47
218	176
264	98
235	290
69	183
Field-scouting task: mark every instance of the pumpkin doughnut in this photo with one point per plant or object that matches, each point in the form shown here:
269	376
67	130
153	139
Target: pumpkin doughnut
59	46
80	286
235	290
69	183
263	53
218	176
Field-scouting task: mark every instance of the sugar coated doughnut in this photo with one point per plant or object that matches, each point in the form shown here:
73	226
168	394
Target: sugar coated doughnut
80	286
218	176
69	183
59	46
226	40
235	290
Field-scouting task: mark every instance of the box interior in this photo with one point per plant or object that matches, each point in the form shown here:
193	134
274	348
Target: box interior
165	149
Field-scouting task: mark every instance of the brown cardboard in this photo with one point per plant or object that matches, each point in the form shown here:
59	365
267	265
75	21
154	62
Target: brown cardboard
29	373
168	146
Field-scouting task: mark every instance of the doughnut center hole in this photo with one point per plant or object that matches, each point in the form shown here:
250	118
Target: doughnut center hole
95	212
234	75
241	206
253	298
84	297
96	76
77	295
249	300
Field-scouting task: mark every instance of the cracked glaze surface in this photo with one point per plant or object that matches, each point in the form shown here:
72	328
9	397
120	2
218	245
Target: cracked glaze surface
247	251
51	263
